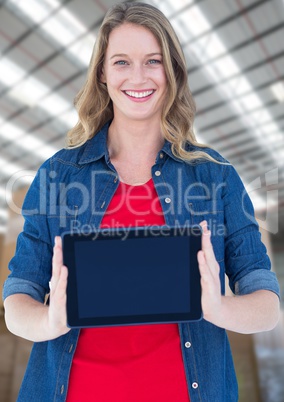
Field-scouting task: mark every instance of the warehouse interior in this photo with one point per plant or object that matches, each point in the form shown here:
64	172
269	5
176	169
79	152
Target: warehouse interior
235	56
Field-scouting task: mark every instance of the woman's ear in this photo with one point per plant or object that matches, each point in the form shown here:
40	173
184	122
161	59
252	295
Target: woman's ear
103	78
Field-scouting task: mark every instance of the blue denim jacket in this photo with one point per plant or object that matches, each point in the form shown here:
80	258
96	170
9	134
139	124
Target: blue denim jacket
72	191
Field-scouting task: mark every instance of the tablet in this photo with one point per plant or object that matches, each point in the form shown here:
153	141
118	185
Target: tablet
132	276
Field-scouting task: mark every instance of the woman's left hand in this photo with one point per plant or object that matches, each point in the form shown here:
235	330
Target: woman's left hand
246	314
211	298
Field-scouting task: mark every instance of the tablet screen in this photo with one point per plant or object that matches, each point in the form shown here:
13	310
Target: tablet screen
137	278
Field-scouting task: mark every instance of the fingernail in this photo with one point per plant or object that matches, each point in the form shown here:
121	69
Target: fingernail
203	226
205	229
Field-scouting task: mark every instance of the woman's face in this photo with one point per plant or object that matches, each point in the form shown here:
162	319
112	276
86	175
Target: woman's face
134	73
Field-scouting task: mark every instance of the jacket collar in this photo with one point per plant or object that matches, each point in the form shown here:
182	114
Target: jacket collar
96	148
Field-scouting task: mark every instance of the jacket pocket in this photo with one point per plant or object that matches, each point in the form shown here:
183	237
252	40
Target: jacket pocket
61	219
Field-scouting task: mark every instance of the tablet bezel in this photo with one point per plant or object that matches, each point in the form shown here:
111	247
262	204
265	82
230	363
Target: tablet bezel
68	243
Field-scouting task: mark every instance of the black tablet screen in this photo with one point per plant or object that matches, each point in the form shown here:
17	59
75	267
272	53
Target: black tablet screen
123	278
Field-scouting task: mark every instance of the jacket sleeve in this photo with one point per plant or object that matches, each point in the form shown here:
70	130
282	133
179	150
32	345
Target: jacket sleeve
246	261
31	266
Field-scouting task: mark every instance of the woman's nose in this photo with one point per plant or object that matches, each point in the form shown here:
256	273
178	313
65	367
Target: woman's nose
137	75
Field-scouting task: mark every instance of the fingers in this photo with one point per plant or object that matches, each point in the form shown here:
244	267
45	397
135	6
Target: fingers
57	262
58	285
61	285
208	266
210	280
207	248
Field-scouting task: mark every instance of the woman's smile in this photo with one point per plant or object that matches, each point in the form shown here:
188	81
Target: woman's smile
139	96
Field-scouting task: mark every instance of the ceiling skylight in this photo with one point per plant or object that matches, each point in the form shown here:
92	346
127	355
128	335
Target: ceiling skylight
7	168
29	91
2	193
62	26
83	48
54	104
3	214
69	118
29	142
278	91
175	6
251	101
10	73
194	19
37	11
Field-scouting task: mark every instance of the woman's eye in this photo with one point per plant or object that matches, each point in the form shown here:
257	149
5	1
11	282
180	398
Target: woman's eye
153	61
121	62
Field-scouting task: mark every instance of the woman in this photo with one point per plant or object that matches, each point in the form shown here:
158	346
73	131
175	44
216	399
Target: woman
133	160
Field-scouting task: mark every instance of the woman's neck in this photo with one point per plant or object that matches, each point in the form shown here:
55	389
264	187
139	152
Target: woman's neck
136	141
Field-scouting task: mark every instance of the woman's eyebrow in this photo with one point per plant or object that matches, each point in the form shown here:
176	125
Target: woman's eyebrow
118	55
125	55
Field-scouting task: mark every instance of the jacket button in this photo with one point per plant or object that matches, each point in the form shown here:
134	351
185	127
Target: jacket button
168	200
194	385
187	345
158	173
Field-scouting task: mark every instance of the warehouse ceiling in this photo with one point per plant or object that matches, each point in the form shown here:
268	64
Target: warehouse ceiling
235	55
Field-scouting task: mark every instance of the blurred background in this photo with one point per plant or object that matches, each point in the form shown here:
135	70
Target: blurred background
235	55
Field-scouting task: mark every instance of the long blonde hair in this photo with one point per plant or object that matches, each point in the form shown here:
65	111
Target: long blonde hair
94	105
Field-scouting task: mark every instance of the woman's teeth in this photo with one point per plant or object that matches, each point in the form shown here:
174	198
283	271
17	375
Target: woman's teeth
139	94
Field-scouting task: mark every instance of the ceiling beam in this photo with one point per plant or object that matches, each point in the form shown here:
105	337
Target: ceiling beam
240	46
241	73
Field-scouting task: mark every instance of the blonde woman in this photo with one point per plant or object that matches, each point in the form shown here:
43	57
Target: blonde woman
135	136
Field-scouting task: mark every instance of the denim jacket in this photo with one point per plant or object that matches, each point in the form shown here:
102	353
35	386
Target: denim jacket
72	191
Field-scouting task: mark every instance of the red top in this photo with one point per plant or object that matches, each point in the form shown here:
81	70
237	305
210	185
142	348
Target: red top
141	363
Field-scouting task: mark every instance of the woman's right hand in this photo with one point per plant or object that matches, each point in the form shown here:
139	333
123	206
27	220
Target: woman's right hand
57	317
33	320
